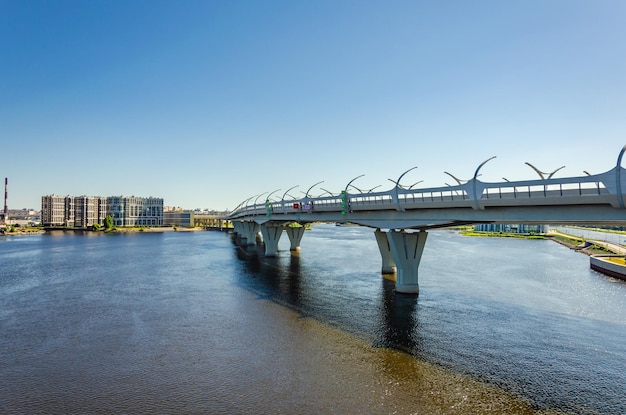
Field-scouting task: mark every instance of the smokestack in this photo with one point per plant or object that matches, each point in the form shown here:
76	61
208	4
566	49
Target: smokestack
6	198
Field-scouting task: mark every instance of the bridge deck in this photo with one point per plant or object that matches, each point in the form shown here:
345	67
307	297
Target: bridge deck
593	199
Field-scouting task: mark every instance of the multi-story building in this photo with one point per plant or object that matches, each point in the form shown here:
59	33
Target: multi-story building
56	211
86	211
89	210
135	211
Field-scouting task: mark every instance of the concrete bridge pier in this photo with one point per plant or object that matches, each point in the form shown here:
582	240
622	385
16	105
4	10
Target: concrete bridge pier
271	236
250	231
295	236
407	249
239	230
389	265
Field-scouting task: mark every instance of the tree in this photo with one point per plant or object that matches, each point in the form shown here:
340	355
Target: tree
108	223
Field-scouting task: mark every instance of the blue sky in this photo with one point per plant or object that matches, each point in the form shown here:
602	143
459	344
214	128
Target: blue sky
206	103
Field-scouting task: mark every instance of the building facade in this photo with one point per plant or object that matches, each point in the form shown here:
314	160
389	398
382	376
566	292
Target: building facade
508	228
87	211
57	211
135	211
179	218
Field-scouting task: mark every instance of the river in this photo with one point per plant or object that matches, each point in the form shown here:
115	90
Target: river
192	323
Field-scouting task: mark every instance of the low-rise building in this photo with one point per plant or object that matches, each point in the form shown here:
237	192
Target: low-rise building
510	228
179	218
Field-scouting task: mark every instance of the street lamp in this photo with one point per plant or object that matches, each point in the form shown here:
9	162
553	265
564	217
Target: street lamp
456	179
270	195
618	177
268	209
257	198
350	182
344	196
474	180
361	191
306	195
541	173
291	188
397	183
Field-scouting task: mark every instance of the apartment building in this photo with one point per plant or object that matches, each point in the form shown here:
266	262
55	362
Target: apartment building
135	211
89	210
86	211
57	210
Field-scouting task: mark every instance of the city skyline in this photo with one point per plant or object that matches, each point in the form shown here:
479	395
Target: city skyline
206	104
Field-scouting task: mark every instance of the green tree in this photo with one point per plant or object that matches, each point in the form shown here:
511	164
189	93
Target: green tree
108	223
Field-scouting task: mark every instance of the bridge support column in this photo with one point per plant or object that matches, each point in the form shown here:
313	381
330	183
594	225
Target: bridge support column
239	230
295	236
389	265
407	251
271	236
251	229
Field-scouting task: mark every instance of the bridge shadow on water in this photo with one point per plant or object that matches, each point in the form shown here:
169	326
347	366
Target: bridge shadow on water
385	319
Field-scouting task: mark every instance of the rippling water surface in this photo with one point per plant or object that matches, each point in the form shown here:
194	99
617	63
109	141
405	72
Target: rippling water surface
185	323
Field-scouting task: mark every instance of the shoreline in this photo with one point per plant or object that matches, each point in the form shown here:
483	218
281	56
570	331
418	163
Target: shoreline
571	241
158	229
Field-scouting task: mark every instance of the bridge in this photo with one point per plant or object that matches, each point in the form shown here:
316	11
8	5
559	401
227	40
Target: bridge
402	216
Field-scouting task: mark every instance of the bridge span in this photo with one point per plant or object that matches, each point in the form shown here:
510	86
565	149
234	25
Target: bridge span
401	216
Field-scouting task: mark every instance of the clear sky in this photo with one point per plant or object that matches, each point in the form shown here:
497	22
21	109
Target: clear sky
206	103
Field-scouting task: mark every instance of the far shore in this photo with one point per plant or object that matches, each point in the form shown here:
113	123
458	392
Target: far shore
573	242
156	229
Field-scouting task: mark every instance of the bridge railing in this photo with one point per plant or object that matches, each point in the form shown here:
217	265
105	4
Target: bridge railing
602	188
544	190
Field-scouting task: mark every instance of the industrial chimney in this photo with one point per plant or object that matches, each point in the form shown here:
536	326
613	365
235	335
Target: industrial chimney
6	198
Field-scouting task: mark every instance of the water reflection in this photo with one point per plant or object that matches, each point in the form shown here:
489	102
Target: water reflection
398	323
390	323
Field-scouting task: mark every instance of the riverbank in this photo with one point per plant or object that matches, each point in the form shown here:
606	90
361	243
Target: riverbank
158	229
21	232
576	243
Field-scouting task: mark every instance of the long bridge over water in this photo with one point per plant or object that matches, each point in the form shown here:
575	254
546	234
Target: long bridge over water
402	216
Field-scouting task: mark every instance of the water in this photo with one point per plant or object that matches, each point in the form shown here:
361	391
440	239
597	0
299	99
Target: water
184	323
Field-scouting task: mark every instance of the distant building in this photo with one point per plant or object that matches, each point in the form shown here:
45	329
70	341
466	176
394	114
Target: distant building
509	228
57	210
23	217
179	218
86	211
135	211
